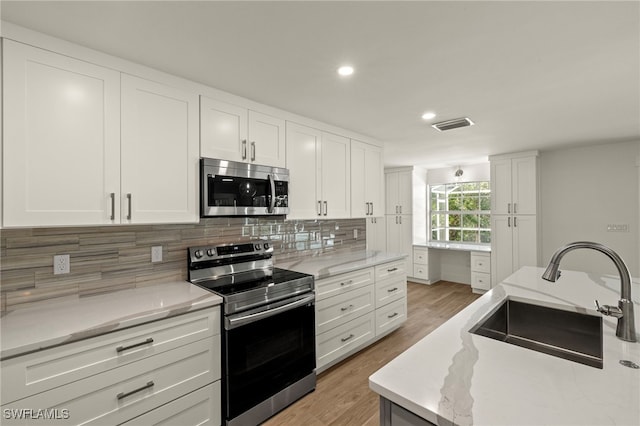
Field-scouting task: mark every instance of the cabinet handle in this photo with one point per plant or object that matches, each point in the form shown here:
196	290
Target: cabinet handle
253	151
400	209
344	339
392	269
113	205
396	220
400	218
395	314
347	282
509	222
371	208
515	205
346	308
326	208
244	149
515	222
391	290
135	345
141	388
509	208
129	208
396	209
319	208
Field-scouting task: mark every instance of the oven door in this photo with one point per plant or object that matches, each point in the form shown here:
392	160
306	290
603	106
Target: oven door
265	352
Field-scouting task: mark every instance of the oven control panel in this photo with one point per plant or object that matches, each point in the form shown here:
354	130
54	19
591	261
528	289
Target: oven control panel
230	251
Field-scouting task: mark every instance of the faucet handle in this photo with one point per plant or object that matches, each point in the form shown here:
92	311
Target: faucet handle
608	310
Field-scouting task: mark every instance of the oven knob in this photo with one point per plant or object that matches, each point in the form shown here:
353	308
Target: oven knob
211	252
266	246
258	247
198	254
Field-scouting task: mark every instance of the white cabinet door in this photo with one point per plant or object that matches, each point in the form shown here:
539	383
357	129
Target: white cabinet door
377	233
303	143
336	179
266	139
501	186
525	248
525	185
223	130
405	192
366	180
391	185
501	248
61	144
159	152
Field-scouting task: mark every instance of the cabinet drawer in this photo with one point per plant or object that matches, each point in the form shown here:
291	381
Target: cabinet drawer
125	392
339	309
339	284
420	255
391	269
40	371
421	271
391	316
339	341
481	280
390	290
481	262
201	407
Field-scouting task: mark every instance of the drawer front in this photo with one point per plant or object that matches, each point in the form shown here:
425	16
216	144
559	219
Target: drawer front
389	290
339	341
339	309
391	316
40	371
480	262
389	270
125	392
420	256
342	283
201	407
481	280
421	271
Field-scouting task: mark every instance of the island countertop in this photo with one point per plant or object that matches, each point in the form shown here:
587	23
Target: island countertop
455	377
31	329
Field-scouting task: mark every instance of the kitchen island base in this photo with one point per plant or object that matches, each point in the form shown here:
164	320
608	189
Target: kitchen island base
394	415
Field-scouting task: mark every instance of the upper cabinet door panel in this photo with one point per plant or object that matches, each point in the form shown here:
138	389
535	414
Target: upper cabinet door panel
336	178
359	201
159	152
525	185
266	139
501	186
303	147
223	130
61	139
374	179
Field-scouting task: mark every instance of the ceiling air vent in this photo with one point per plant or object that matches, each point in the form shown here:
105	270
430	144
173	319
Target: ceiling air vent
452	124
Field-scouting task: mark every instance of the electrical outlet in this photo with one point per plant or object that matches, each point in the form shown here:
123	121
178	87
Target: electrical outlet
617	228
61	264
355	233
156	254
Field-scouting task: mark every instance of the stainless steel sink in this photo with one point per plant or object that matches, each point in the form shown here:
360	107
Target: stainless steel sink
569	335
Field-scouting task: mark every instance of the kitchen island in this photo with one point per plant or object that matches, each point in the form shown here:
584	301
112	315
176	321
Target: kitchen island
455	377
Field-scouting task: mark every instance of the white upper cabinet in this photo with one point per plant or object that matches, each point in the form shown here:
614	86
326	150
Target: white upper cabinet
159	152
399	187
61	142
514	185
231	132
319	167
367	180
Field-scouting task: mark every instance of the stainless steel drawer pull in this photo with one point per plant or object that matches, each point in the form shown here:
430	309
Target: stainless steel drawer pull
319	208
509	208
135	345
392	269
346	308
141	388
113	205
326	208
391	290
395	314
347	282
244	149
129	211
351	336
253	151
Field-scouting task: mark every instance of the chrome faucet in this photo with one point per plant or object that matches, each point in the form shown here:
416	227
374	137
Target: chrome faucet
626	329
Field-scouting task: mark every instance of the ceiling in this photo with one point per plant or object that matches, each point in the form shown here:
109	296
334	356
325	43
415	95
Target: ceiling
531	75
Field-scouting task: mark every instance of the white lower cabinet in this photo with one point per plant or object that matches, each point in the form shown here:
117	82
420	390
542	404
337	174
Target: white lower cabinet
356	308
119	376
480	271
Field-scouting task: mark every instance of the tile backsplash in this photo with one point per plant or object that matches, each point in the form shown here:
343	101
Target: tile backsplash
109	258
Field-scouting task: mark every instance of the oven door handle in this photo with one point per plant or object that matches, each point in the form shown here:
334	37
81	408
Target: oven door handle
272	185
241	319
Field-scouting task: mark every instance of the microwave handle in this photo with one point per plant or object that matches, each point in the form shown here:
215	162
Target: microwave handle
272	185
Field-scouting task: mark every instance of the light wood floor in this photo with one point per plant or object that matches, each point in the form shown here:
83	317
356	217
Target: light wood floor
342	396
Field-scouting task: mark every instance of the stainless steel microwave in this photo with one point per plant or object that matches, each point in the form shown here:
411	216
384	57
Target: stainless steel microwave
230	188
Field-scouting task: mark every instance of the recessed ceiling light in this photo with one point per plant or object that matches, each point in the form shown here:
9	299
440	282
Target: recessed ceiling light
428	115
345	70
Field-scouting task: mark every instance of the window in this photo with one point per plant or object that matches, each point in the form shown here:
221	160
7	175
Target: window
461	212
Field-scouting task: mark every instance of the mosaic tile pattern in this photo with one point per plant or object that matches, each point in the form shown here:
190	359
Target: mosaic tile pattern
110	258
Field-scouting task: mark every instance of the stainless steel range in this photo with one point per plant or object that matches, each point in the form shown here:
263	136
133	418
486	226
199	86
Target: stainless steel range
268	345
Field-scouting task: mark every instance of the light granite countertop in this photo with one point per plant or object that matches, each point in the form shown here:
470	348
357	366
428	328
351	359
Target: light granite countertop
31	329
329	265
455	377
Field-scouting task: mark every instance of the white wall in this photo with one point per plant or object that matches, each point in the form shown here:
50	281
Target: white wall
582	190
